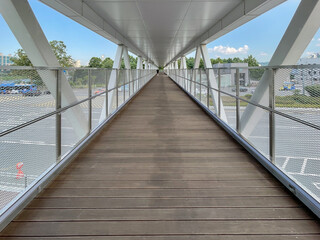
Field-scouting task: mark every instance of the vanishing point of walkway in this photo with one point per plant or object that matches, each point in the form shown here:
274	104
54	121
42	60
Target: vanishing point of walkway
163	170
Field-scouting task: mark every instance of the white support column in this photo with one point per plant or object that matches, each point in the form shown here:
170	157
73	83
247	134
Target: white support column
24	25
302	28
127	65
112	82
197	58
212	81
139	69
176	65
183	66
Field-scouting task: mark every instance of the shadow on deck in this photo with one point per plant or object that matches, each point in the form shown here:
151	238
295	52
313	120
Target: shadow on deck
163	170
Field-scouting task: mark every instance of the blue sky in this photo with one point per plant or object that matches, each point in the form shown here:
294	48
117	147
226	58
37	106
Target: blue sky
259	37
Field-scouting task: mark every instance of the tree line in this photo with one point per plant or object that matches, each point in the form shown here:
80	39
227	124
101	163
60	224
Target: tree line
60	50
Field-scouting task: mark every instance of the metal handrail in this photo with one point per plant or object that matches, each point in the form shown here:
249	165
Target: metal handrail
11	67
312	125
60	110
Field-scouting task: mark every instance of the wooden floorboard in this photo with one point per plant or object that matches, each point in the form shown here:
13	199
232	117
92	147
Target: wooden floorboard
163	170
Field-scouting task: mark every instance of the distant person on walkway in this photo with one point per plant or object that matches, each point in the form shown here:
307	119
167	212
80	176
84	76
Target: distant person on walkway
157	71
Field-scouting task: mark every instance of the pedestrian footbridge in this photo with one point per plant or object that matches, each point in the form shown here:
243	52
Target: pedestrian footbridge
164	169
195	152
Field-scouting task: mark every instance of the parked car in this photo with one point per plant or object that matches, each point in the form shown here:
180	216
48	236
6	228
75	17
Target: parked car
287	86
100	90
32	93
14	91
242	89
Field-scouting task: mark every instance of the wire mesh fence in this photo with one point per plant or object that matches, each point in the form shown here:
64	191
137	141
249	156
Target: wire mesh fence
275	109
35	131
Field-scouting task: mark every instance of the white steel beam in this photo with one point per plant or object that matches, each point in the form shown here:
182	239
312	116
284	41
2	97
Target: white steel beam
112	82
139	69
303	26
212	81
183	65
24	25
127	65
176	66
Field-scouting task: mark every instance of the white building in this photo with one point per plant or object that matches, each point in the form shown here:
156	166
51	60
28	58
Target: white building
5	60
228	76
77	64
308	76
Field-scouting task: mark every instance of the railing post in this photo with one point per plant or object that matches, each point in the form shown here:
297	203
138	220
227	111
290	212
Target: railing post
200	83
208	90
219	93
117	94
237	100
124	88
90	101
58	115
271	116
107	94
190	85
129	74
195	83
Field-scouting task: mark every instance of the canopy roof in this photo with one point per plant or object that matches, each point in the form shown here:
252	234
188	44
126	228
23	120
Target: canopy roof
162	30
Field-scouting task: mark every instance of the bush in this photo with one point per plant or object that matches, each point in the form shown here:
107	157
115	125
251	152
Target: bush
306	99
314	90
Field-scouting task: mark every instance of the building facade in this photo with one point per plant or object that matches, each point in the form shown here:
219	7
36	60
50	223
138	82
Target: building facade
308	76
228	75
5	60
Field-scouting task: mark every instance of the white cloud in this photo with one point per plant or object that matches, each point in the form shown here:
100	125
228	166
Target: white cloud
264	54
226	50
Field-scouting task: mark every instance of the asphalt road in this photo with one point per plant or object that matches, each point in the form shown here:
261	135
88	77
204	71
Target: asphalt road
297	146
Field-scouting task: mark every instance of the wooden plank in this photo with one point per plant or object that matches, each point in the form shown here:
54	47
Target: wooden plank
111	203
165	176
121	228
180	214
93	157
182	193
155	170
165	184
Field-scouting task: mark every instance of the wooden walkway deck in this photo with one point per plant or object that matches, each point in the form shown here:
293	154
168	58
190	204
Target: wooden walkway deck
163	170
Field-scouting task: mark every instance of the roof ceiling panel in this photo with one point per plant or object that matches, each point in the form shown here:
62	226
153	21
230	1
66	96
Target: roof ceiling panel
162	30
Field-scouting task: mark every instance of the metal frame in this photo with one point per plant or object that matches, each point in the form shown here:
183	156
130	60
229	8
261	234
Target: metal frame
293	187
267	108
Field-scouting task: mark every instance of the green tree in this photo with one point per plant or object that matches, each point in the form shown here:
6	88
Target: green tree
107	63
60	50
20	58
252	62
190	62
133	62
254	73
95	62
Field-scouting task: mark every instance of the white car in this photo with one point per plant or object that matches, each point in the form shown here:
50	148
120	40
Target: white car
14	91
